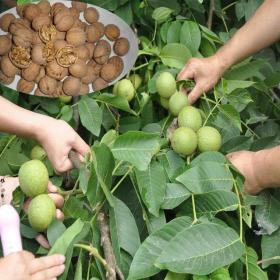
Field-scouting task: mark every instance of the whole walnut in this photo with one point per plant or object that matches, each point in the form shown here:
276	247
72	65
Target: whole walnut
99	84
37	92
5	79
19	9
112	32
56	8
96	67
79	6
31	11
59	90
80	24
7	67
91	15
84	89
72	86
36	39
17	24
23	37
44	6
94	32
31	72
41	74
5	21
63	20
79	69
90	77
58	44
75	13
118	63
109	72
48	85
83	52
102	52
56	71
25	86
76	36
37	54
5	44
41	20
121	46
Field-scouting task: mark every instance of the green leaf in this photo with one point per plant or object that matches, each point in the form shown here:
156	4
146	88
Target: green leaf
209	156
173	33
90	114
228	86
190	36
152	184
161	14
205	177
175	55
201	249
136	147
104	164
115	101
66	113
271	249
175	194
230	112
267	214
55	230
143	263
251	261
74	208
125	228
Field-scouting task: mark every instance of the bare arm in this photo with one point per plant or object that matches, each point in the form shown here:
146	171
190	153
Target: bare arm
259	32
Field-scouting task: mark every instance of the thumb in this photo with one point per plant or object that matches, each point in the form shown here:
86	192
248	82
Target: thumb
80	146
195	93
186	73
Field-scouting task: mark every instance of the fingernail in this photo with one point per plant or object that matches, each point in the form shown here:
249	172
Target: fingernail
62	258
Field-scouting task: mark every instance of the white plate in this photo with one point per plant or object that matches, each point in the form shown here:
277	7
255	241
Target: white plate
106	17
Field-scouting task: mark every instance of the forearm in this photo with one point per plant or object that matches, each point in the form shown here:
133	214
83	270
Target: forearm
16	120
267	168
260	31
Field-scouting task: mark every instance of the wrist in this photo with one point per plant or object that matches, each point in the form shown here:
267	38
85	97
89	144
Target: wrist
38	125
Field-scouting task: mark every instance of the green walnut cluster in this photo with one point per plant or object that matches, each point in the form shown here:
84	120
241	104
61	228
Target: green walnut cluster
34	179
191	134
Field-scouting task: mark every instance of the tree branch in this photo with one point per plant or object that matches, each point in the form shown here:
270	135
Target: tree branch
211	12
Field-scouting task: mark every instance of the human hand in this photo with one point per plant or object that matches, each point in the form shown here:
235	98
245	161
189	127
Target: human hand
206	72
24	266
58	138
245	162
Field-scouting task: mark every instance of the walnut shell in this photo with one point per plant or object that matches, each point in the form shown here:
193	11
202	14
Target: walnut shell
121	46
20	57
84	89
90	47
80	24
5	44
91	15
44	6
31	73
66	56
56	8
41	74
118	63
63	20
108	72
90	77
36	39
94	32
79	69
48	85
40	21
23	38
79	6
19	9
83	52
5	21
112	32
7	67
99	84
72	86
56	71
37	54
17	24
59	44
60	35
75	13
76	36
5	79
59	90
102	52
25	86
38	92
96	67
31	11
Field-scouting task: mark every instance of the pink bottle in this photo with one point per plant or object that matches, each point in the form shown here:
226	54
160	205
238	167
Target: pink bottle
10	230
